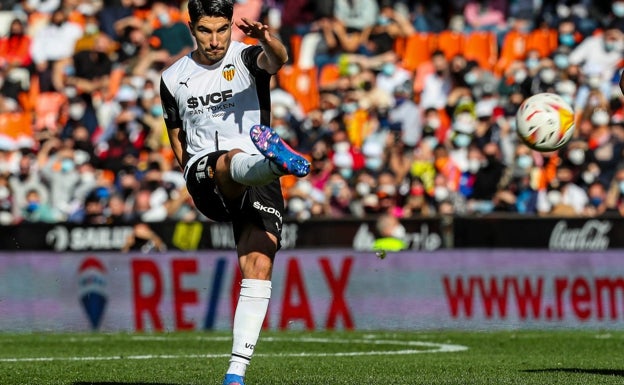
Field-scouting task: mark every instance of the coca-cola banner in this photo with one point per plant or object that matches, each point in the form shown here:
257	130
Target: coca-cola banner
422	234
571	234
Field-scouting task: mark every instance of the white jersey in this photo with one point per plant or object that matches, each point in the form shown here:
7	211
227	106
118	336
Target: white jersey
216	105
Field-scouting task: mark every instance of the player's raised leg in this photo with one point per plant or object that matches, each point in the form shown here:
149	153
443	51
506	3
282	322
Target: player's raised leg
270	145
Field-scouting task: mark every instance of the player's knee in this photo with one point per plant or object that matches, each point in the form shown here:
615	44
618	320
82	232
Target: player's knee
224	163
257	265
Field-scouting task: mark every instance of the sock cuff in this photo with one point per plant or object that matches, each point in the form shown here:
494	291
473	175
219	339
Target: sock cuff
255	288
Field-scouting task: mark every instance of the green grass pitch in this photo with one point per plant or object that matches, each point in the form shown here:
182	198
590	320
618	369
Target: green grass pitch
317	358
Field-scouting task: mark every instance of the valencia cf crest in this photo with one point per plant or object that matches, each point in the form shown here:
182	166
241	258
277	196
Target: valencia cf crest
229	71
210	172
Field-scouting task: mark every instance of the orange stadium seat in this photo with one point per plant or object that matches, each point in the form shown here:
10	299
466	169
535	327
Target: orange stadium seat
543	40
481	46
48	110
16	125
451	43
514	48
295	47
329	75
418	49
302	84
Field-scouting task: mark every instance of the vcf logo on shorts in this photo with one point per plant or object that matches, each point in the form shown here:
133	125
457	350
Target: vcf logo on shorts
203	170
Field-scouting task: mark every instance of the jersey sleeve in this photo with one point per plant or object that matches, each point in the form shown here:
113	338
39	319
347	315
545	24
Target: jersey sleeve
171	113
250	58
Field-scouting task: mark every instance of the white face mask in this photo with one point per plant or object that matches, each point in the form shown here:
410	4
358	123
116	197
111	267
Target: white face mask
88	177
594	82
373	164
440	193
524	161
554	197
362	188
576	156
588	177
148	94
548	75
600	118
304	186
296	205
474	165
520	76
433	123
76	111
4	192
6	218
91	28
342	146
388	189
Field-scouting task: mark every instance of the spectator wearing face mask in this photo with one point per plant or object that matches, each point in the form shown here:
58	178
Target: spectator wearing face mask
567	34
605	149
487	179
597	195
615	195
36	210
53	42
574	155
475	160
60	172
563	196
25	179
437	85
616	14
338	197
600	53
546	77
405	116
87	72
174	35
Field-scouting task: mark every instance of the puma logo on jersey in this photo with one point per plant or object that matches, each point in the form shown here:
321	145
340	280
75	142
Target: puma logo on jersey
185	83
206	100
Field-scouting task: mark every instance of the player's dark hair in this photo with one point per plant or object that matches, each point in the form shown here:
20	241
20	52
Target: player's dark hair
212	8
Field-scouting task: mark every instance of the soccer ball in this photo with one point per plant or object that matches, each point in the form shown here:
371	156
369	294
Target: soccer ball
545	122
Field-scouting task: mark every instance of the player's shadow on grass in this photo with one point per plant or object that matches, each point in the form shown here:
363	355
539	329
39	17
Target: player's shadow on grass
603	372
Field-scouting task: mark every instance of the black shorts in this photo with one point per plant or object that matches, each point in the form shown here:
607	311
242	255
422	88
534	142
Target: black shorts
261	205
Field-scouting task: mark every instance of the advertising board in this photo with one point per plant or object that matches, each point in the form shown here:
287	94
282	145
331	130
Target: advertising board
315	290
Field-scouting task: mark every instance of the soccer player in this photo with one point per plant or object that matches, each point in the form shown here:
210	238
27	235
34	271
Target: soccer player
217	109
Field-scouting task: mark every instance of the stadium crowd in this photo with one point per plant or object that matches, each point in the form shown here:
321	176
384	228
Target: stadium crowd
403	107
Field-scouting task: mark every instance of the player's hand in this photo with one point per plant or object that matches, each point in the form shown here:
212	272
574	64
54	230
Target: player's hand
254	29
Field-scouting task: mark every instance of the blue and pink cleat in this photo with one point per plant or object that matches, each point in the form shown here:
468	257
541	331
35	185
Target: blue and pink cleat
275	149
233	379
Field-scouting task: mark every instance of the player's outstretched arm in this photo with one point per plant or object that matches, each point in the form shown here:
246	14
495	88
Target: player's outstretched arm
274	53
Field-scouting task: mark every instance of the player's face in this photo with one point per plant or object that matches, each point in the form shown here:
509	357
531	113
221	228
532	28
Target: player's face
213	36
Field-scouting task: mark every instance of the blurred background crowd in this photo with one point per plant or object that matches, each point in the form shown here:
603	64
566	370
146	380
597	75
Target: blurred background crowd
404	108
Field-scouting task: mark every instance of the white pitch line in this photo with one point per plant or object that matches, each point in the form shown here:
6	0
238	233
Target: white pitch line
433	348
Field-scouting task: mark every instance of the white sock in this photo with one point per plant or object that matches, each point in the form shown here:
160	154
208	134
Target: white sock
251	309
253	170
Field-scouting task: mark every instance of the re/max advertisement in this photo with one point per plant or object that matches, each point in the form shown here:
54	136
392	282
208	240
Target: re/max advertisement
315	290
